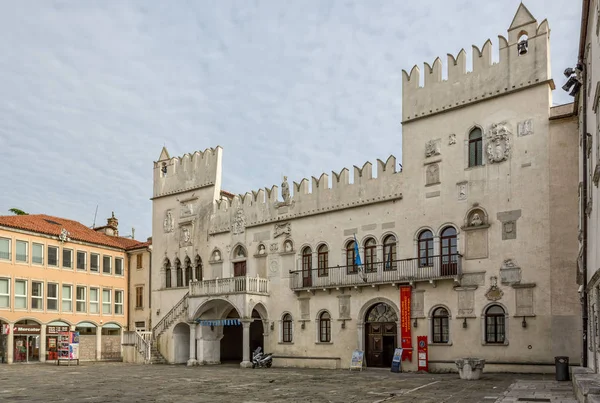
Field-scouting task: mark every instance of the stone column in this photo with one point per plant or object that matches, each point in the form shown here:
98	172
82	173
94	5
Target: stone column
360	327
10	343
192	361
43	344
246	340
98	343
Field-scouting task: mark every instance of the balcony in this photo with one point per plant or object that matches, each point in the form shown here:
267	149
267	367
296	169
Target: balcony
232	285
407	271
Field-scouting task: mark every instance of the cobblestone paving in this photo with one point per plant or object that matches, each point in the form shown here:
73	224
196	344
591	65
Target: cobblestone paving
117	382
551	391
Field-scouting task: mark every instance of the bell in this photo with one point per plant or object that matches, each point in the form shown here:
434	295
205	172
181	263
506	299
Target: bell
522	47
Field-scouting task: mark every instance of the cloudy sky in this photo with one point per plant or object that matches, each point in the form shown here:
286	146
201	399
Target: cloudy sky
91	90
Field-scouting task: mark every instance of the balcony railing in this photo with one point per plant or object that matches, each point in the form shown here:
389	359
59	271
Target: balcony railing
392	272
232	285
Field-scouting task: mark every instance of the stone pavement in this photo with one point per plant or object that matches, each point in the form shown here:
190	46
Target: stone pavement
539	391
119	382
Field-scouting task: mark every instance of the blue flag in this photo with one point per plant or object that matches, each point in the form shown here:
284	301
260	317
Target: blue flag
356	253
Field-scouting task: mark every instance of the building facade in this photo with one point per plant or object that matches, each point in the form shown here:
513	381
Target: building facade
139	280
477	232
59	275
584	84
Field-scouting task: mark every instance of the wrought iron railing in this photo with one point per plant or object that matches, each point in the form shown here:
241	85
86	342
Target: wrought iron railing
396	271
171	316
231	285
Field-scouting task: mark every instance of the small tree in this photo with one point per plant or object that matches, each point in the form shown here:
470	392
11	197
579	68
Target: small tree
16	211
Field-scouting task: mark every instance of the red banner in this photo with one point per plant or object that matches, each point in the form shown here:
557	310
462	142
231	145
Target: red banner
405	293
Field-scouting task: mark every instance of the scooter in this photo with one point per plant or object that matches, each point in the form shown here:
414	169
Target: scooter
261	360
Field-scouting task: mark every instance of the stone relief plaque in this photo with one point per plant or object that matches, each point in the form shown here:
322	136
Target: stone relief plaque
524	301
304	308
168	222
239	222
525	128
282	229
494	293
432	148
451	139
462	190
499	147
466	302
344	306
432	174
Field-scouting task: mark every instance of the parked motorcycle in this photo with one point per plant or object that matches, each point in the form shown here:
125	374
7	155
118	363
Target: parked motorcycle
261	360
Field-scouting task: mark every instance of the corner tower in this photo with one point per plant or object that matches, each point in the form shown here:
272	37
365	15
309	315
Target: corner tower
524	61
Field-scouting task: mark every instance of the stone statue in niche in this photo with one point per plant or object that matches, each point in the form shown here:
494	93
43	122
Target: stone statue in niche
287	246
432	174
261	249
476	220
432	148
525	127
168	222
216	256
452	139
499	147
239	222
283	229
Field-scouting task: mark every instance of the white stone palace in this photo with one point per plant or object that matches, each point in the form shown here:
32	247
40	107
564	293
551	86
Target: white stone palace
480	225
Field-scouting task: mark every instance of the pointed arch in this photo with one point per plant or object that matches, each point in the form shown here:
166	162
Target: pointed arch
188	270
167	269
178	272
198	268
475	146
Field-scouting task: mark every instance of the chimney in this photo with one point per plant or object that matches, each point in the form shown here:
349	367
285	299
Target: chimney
113	223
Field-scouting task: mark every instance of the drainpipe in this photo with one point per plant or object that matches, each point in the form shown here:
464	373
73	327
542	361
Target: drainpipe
584	196
150	288
128	289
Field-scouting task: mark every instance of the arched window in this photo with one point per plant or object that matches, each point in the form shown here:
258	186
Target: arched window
188	271
179	273
495	325
307	267
370	255
475	147
198	263
448	252
351	267
167	273
441	328
323	260
426	249
389	253
287	328
325	327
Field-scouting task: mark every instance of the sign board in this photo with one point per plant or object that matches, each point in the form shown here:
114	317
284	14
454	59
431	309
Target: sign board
74	346
422	353
358	360
56	329
27	329
397	360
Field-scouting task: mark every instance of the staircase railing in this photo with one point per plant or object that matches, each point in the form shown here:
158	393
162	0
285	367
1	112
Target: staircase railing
143	343
170	317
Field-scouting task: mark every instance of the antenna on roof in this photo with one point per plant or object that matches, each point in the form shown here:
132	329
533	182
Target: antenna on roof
95	214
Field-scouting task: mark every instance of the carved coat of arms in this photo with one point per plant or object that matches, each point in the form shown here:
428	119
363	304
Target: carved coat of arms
498	148
239	222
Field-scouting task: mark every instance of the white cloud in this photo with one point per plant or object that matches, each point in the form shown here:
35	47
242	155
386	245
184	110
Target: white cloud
92	90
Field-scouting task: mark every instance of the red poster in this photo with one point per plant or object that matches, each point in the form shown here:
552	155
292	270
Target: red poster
405	293
422	359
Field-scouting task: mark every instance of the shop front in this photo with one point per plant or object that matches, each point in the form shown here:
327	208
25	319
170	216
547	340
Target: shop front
26	341
52	331
4	331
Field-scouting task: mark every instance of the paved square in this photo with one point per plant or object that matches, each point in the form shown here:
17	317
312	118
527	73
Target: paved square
118	382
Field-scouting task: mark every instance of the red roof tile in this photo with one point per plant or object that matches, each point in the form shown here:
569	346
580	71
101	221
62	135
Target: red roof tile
49	225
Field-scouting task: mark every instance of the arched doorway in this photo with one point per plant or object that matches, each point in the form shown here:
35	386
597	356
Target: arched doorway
232	347
381	335
181	343
256	332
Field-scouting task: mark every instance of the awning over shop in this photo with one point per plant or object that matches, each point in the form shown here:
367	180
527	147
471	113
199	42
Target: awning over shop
86	325
58	323
219	322
111	326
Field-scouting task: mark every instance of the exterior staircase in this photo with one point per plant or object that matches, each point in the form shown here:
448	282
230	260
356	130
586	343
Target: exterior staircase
165	323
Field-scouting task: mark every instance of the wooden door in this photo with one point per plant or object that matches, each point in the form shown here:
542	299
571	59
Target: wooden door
374	344
239	269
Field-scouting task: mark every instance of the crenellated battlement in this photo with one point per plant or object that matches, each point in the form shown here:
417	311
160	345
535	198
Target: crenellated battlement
520	65
263	206
190	171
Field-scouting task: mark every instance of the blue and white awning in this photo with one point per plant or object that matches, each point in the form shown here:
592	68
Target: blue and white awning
219	322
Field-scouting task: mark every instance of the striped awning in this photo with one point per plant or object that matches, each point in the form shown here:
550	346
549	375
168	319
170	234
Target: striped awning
219	322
